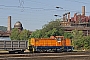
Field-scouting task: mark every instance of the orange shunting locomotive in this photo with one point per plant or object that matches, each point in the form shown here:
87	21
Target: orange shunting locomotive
52	44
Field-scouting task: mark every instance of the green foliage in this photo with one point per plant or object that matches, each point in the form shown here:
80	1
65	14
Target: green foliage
14	34
68	35
80	41
77	35
52	32
52	28
19	35
36	34
24	35
2	28
86	42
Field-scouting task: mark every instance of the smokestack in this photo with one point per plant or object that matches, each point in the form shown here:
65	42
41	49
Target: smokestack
83	10
63	17
68	16
9	23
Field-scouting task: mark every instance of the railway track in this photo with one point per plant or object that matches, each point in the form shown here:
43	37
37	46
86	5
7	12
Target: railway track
47	56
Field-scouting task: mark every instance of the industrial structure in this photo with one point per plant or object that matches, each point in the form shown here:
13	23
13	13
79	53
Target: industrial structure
9	24
79	22
7	33
18	25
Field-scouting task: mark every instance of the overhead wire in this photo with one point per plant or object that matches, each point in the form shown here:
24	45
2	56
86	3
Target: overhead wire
37	9
79	1
39	2
21	2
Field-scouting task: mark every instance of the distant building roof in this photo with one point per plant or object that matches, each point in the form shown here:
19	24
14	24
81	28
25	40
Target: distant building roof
18	25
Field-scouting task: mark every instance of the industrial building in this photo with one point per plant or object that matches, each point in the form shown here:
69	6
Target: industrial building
81	22
7	33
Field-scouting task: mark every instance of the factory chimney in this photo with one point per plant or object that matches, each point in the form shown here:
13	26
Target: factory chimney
83	10
64	17
68	16
9	24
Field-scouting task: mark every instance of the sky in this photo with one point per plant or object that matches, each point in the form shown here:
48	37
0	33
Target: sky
34	14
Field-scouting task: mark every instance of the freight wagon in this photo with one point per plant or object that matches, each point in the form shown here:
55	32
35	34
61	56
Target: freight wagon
53	44
13	46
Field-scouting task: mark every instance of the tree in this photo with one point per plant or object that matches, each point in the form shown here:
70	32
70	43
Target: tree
36	34
80	41
24	35
86	42
14	34
77	39
52	28
68	35
19	35
3	28
77	35
52	32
